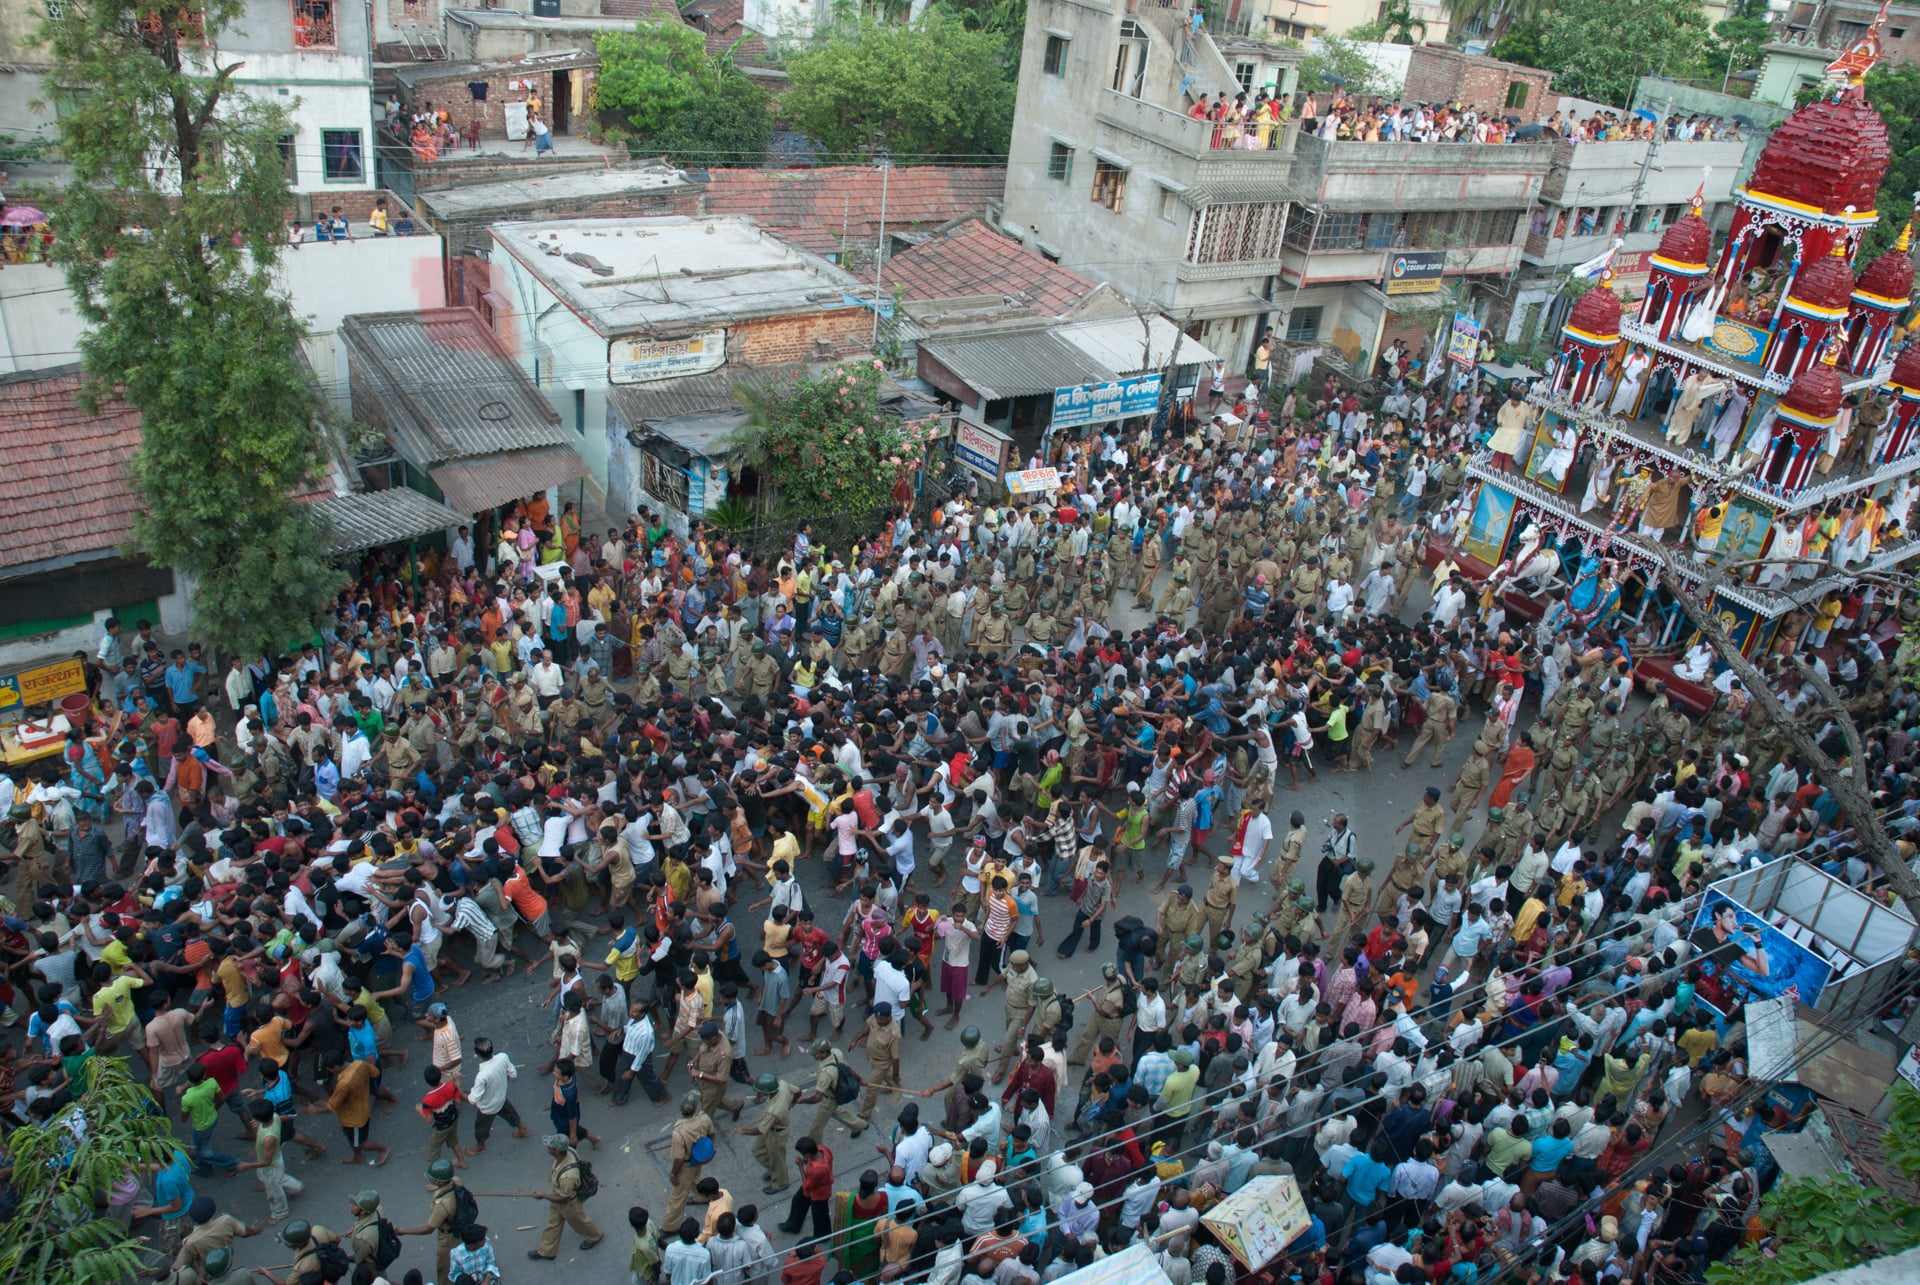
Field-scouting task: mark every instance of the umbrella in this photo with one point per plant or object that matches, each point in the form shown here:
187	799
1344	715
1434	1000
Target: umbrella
1332	79
22	216
1644	114
1743	120
1513	120
1529	131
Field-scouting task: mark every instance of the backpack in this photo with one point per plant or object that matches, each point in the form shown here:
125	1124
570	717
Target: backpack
386	1248
331	1262
846	1085
466	1210
589	1182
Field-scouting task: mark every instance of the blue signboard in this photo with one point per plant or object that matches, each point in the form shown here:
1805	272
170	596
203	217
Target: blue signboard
1097	403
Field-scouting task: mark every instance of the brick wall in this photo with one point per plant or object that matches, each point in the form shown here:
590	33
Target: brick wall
452	93
789	340
356	206
1484	84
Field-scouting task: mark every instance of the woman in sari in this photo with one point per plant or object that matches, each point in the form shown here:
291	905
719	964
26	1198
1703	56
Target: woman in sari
85	774
569	528
1514	772
855	1215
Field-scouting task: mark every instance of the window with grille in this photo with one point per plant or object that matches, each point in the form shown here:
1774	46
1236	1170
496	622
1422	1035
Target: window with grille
1060	163
1344	230
340	156
1109	184
189	25
1303	327
313	25
1236	233
1516	93
1056	62
1243	72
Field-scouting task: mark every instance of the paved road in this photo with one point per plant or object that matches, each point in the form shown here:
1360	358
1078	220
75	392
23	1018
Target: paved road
631	1161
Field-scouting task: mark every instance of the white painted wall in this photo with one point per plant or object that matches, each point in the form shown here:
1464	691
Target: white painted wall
316	107
561	354
369	274
38	324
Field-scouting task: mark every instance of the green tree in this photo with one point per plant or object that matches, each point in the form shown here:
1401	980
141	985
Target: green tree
825	445
1520	44
1495	17
648	75
1340	62
170	233
1580	43
1895	91
56	1235
1397	26
1004	18
1737	45
933	90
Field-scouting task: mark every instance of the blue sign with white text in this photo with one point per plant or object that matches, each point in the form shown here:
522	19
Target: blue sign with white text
1097	403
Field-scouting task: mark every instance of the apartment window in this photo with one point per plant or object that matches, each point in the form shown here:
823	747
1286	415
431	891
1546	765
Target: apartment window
1243	72
1060	163
1516	93
1169	205
1341	231
341	157
580	411
188	24
1109	184
1130	60
287	158
1303	327
1056	63
1898	33
55	9
313	25
1236	233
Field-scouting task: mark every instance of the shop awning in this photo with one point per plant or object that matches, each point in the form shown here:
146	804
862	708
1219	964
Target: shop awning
373	518
474	486
1016	363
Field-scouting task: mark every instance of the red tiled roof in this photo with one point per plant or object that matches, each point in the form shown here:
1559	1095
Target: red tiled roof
639	9
975	259
818	209
67	488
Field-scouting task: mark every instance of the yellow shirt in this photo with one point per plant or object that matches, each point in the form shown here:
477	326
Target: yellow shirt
233	981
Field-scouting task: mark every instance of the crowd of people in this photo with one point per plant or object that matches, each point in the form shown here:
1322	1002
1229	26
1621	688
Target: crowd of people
1254	121
712	796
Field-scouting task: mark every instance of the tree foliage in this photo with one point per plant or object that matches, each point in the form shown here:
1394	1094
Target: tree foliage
649	74
659	91
923	92
825	445
1340	63
1895	91
170	234
56	1235
1497	17
1397	26
1580	42
1821	1225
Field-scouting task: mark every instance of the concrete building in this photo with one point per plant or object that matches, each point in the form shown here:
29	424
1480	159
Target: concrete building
463	215
1110	178
40	328
839	212
1300	19
311	57
1384	234
593	304
1485	85
1597	193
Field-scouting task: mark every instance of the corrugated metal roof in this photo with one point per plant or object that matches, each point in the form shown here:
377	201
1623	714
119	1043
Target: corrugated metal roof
1018	363
474	486
1123	347
373	518
448	388
637	404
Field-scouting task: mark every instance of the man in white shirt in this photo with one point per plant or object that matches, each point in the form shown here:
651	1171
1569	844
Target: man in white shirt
547	678
1253	846
354	750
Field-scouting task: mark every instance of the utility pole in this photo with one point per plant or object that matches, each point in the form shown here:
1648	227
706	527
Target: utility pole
885	162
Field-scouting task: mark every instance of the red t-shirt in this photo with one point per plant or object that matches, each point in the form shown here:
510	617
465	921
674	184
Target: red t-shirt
816	1179
226	1066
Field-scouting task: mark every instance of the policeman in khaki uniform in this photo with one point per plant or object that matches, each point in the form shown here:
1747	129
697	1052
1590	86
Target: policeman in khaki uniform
1019	979
771	1132
1356	891
1048	1010
762	675
363	1238
440	1215
823	1086
1469	784
1179	918
1108	1017
1223	896
693	1125
1443	716
711	1067
565	1207
881	1035
403	760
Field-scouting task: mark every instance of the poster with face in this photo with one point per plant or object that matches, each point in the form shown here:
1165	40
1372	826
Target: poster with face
1742	957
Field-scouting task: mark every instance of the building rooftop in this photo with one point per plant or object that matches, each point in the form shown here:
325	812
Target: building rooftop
448	387
974	259
822	209
674	275
500	198
410	74
68	493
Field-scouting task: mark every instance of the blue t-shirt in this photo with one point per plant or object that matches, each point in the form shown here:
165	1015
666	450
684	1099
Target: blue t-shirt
363	1043
1365	1177
175	1182
1548	1152
180	680
422	983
